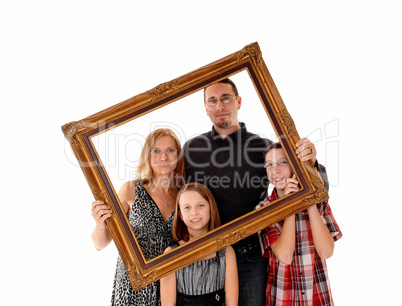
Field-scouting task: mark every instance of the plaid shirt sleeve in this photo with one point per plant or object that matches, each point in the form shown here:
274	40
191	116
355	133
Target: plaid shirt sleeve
269	235
328	218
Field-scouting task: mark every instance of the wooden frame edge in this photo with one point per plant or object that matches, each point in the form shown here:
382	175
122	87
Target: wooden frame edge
79	133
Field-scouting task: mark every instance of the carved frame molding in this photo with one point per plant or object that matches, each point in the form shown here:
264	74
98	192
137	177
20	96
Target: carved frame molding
79	134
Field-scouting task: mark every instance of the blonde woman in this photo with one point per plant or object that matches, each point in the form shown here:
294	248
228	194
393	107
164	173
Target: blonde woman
149	203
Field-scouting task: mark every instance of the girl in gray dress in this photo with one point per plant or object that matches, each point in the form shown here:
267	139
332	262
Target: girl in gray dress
213	280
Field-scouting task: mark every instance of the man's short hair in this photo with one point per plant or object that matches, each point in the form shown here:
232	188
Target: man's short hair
225	81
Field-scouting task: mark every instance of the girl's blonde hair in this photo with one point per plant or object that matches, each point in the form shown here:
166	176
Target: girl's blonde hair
179	230
144	170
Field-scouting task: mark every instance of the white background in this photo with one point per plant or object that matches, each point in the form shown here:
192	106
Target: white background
337	66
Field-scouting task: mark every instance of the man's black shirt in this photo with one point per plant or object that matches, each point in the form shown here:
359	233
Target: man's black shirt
232	168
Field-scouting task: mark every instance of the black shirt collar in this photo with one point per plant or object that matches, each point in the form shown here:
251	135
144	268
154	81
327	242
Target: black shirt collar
234	135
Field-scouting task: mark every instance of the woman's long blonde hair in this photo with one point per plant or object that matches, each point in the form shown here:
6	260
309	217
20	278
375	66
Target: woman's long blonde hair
144	170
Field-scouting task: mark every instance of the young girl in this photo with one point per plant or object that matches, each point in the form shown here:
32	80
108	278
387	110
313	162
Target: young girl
297	246
212	280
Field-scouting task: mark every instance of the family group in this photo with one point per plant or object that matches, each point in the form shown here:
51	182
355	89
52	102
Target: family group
182	192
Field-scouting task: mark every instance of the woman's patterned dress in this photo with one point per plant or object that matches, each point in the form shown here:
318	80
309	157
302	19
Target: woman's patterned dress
154	235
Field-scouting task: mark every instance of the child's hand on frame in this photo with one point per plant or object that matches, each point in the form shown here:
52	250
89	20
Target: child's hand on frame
292	185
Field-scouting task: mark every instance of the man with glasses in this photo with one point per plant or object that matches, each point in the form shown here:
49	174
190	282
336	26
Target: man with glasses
229	161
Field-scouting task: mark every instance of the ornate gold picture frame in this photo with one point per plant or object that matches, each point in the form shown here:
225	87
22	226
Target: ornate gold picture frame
80	135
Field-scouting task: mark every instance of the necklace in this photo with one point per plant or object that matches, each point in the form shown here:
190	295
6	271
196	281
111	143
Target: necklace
167	204
166	201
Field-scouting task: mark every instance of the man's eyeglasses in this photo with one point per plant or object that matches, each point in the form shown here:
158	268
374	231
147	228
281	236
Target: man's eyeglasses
224	99
271	165
168	152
